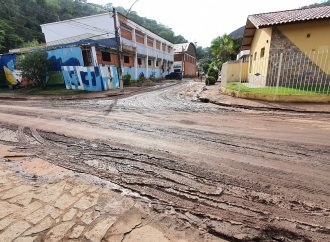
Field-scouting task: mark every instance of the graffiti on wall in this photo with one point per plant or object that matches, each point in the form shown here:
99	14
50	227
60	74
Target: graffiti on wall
65	57
7	70
98	78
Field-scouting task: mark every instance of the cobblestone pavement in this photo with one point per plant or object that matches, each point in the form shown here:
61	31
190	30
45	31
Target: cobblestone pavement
63	207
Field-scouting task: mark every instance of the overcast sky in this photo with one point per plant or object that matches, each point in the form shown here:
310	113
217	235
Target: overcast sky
202	21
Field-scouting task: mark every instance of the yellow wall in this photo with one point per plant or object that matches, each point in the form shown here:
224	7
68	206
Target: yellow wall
260	40
230	71
259	65
318	42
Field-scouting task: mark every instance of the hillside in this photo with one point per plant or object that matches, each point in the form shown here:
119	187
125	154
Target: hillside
238	33
20	20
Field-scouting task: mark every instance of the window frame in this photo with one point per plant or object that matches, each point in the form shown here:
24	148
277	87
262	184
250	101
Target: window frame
126	57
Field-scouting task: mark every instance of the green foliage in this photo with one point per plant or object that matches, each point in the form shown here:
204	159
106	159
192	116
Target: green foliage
8	36
322	3
210	80
141	77
158	28
55	78
127	79
213	71
152	76
20	20
35	67
29	44
202	53
224	48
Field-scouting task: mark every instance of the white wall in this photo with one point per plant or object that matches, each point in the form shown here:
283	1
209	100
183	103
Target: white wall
91	25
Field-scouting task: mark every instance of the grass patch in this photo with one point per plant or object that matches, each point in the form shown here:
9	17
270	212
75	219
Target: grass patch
59	90
55	87
308	91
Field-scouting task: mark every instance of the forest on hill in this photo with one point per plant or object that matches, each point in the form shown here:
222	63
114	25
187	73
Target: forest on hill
20	20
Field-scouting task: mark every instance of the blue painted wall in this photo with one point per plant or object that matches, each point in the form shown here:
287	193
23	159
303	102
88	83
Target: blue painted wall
65	57
91	78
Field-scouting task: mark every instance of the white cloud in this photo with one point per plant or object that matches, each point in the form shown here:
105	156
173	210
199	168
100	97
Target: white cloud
202	21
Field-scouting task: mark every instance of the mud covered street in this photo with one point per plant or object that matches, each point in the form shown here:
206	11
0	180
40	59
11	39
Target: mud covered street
230	173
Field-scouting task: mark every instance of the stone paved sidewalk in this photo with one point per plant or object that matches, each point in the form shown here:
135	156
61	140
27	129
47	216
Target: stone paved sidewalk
65	208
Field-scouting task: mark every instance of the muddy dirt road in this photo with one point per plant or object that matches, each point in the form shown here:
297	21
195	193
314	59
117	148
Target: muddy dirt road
234	174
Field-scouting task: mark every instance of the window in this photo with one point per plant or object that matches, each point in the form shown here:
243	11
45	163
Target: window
126	59
255	56
106	56
250	68
87	57
149	62
262	52
157	63
139	61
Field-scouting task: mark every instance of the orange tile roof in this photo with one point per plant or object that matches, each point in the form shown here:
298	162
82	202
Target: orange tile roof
289	16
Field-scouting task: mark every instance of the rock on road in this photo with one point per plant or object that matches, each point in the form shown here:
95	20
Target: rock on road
231	173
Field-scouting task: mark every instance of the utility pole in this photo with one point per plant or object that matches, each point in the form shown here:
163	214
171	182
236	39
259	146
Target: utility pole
182	62
121	86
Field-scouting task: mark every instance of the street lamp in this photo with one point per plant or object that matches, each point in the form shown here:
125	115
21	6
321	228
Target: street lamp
129	10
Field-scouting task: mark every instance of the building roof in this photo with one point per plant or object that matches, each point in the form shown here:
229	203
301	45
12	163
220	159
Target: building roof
264	20
84	39
289	16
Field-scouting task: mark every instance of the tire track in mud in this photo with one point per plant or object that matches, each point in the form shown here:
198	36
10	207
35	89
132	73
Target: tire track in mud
229	207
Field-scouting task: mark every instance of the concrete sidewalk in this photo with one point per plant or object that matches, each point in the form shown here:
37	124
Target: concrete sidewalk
43	202
213	94
90	95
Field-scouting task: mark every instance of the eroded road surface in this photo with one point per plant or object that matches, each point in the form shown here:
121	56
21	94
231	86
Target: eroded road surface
231	174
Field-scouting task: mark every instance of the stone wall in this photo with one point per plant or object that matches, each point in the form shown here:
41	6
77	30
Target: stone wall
297	68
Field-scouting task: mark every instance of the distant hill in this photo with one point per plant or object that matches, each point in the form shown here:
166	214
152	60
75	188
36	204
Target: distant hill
20	20
238	33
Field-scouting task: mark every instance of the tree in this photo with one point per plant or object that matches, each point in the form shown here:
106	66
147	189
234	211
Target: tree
35	67
224	48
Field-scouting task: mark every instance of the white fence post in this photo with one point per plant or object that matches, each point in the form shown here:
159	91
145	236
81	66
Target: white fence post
240	74
279	73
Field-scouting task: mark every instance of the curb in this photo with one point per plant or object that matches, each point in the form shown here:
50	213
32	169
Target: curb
277	98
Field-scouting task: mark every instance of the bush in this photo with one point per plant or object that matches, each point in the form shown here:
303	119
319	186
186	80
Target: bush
141	77
210	80
152	76
212	72
35	67
127	79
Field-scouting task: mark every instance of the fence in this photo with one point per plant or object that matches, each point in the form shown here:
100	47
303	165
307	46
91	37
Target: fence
281	74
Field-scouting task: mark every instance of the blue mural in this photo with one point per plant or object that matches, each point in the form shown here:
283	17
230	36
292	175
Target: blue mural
65	57
8	74
131	71
91	78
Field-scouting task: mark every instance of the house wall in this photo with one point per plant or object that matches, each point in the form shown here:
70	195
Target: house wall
113	57
292	72
189	66
178	57
258	65
230	72
65	57
318	41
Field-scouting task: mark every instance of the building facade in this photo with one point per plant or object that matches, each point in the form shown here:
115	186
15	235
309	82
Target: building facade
185	59
301	35
143	53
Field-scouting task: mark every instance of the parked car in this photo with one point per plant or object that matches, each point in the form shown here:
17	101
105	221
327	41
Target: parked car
174	75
